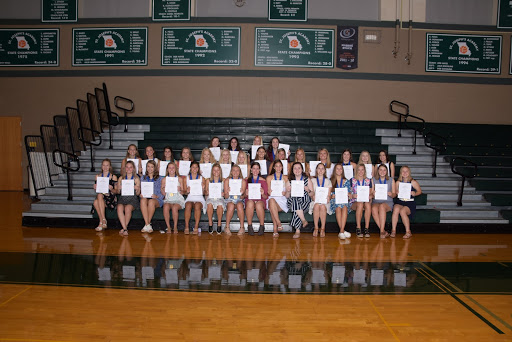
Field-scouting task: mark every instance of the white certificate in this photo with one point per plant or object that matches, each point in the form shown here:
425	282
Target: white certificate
321	194
348	170
234	156
128	187
312	167
206	169
297	188
404	190
369	170
286	148
163	168
171	185
215	190
226	169
254	149
216	152
277	187
329	171
184	167
363	193
196	187
285	167
381	192
136	162
254	191
243	168
389	170
102	185
263	166
303	167
341	195
144	163
146	189
235	187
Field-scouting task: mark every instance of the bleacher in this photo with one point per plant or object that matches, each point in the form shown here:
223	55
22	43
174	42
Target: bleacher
68	203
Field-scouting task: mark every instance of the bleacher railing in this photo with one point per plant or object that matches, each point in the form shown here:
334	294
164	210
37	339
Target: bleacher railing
466	162
432	140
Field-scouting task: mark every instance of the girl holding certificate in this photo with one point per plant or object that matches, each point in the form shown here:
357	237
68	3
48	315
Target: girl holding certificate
129	199
150	155
383	201
297	204
361	199
300	156
235	189
407	188
280	190
281	155
194	190
148	204
173	199
107	199
168	157
319	190
243	162
346	161
272	149
207	156
215	201
384	159
215	142
366	159
340	206
132	153
261	158
324	158
234	144
255	201
188	158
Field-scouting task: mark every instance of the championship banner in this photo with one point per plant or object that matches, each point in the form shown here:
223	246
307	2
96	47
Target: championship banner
346	52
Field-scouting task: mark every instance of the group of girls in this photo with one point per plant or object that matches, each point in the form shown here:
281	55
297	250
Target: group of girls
272	169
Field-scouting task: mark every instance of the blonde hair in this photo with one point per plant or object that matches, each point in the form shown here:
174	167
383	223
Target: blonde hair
216	165
246	157
364	167
260	137
400	175
303	153
123	174
361	159
328	157
212	157
231	172
110	163
229	154
175	169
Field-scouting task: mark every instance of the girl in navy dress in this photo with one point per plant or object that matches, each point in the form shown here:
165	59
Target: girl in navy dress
361	179
381	207
299	204
405	208
108	200
384	159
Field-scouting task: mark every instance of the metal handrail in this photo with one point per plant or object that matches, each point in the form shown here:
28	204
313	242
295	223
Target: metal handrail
464	176
67	166
29	149
118	102
406	116
437	148
91	143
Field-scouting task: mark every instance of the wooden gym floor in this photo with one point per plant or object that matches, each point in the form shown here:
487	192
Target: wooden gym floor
64	284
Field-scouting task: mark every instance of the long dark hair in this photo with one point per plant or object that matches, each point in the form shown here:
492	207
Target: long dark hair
291	175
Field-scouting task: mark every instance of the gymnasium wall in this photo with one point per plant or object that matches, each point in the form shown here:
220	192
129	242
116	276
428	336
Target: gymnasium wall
38	93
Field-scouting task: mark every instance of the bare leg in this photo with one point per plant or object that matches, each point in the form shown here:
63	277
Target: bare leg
229	215
120	215
144	210
316	216
341	218
260	212
167	215
249	211
188	214
359	214
323	218
240	213
220	211
152	205
209	211
198	206
376	215
367	214
274	212
175	216
394	218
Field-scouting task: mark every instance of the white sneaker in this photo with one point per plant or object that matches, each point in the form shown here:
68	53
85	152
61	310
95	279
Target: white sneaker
149	228
347	234
144	229
341	236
